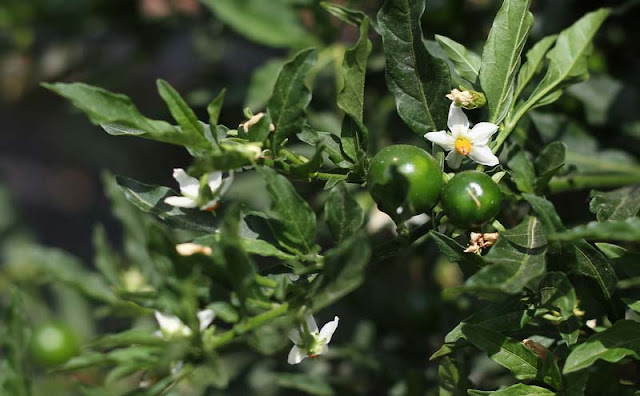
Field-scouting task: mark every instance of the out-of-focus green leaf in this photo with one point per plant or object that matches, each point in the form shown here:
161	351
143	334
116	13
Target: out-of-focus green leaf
180	110
128	337
343	214
274	23
262	81
293	222
466	62
290	96
452	380
518	260
308	384
14	344
354	133
535	58
214	108
522	390
548	163
105	258
598	96
501	56
343	270
346	15
417	80
568	58
612	345
618	204
258	247
523	171
151	199
117	115
557	292
503	350
634	305
610	230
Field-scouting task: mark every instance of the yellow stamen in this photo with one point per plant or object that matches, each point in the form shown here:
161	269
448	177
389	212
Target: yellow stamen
463	146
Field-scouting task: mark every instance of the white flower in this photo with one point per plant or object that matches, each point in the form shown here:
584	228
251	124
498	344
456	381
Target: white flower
172	326
463	142
189	249
190	190
309	342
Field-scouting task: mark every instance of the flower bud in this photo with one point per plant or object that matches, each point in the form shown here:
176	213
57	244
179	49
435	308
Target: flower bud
467	99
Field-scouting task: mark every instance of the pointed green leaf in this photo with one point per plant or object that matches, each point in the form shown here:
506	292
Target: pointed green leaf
150	199
417	80
117	115
351	94
346	15
180	110
501	56
261	87
343	214
568	58
503	350
290	97
214	109
612	345
466	62
523	390
293	222
556	292
618	204
452	377
610	230
548	163
522	171
454	251
535	58
274	23
519	260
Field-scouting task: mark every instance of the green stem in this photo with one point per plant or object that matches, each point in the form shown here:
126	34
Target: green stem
294	158
266	282
248	325
580	182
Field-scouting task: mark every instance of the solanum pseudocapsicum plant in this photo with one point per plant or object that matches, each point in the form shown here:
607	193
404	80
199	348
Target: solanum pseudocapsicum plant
553	305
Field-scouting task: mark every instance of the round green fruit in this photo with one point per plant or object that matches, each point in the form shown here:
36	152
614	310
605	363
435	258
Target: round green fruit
471	199
404	180
53	344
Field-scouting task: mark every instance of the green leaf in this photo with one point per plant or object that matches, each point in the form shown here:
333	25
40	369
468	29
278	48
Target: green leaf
556	292
274	23
150	199
610	230
523	171
518	260
568	58
587	260
305	383
351	94
523	390
128	337
214	108
452	377
535	58
346	15
117	115
466	62
548	163
503	350
618	204
330	143
258	247
290	97
612	345
343	270
634	305
501	56
261	130
343	214
106	260
14	343
454	251
293	222
261	87
417	80
180	110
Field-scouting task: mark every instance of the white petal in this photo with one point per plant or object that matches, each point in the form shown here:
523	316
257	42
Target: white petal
205	317
483	155
457	119
188	185
328	329
168	323
311	324
181	202
214	181
454	159
323	350
294	336
442	139
295	355
481	132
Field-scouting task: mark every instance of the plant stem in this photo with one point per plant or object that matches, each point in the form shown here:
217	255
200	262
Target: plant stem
579	182
292	156
248	325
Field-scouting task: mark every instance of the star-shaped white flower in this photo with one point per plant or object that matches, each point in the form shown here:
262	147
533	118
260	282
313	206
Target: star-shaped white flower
463	142
308	341
190	189
171	326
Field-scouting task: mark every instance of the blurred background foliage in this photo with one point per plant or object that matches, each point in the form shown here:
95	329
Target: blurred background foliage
51	159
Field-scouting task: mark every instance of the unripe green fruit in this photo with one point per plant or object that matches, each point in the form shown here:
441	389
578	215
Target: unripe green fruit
471	198
404	181
53	344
